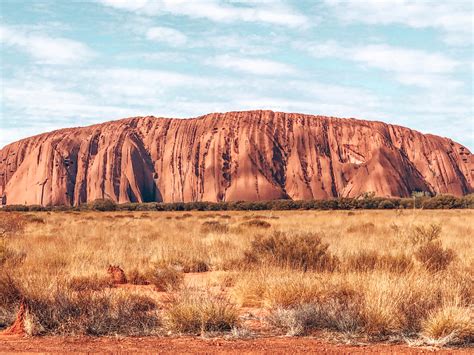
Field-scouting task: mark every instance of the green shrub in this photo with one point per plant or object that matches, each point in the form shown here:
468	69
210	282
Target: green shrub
386	205
442	202
103	205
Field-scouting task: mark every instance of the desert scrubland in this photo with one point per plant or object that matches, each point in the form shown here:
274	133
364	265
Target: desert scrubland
350	276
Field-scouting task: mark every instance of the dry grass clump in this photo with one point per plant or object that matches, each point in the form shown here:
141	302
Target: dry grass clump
183	216
366	228
136	277
60	310
429	250
214	227
8	256
186	264
434	257
30	218
165	278
196	312
68	313
376	304
260	216
89	283
10	296
452	323
256	223
369	260
11	223
338	314
304	251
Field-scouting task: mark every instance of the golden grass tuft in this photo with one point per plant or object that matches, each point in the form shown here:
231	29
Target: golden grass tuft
451	322
197	312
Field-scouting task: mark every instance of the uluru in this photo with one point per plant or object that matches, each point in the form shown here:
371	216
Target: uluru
248	155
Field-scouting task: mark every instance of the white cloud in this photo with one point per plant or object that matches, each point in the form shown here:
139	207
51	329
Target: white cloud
64	97
403	60
167	35
453	18
252	65
272	12
46	49
410	66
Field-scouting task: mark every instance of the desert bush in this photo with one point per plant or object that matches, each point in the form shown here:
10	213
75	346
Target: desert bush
303	251
35	208
132	206
15	208
425	234
434	257
386	204
467	201
442	202
103	205
256	223
195	312
428	248
214	227
165	278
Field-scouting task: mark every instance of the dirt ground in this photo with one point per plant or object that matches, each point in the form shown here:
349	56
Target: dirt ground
193	345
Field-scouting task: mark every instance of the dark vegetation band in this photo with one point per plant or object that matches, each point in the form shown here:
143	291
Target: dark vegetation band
368	202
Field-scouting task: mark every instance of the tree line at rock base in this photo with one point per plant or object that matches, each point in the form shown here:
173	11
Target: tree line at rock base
366	202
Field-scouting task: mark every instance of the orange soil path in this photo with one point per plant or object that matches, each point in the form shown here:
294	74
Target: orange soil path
192	345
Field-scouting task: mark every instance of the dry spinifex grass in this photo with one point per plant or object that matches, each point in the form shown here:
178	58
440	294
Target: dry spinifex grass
370	273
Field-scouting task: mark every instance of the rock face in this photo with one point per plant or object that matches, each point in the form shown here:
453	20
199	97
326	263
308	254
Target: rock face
253	155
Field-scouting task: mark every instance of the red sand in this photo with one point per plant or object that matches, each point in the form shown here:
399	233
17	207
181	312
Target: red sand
192	345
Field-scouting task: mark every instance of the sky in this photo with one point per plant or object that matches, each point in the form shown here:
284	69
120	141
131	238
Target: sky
68	63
